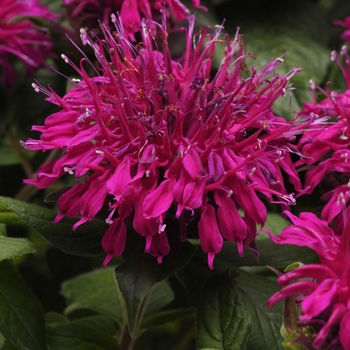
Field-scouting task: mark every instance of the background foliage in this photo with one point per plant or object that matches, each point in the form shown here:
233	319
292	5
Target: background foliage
54	293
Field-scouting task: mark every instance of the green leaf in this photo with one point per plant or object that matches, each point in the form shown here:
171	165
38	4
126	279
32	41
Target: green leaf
193	277
97	291
221	321
162	317
11	247
303	52
79	337
140	272
162	294
275	223
53	319
84	241
255	291
98	322
21	317
270	253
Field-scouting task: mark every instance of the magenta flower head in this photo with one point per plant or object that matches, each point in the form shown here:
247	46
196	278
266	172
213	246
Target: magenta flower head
21	37
325	147
346	24
87	13
323	289
157	140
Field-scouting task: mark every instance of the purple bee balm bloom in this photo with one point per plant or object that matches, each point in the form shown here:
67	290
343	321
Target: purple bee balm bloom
329	137
323	289
346	24
87	13
21	37
156	140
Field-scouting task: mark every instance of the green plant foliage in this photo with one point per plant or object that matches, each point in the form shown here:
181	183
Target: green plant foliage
221	320
12	247
301	52
163	317
84	241
162	294
254	291
98	291
79	337
98	322
140	272
21	316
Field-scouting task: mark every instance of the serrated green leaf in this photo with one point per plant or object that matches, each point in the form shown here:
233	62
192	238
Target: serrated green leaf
97	291
84	241
255	291
79	337
21	317
12	247
137	274
221	321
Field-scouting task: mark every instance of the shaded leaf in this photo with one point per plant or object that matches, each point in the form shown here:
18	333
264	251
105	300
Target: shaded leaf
11	247
254	291
140	272
97	291
53	319
162	317
221	321
193	276
21	317
277	256
79	337
85	241
162	294
98	322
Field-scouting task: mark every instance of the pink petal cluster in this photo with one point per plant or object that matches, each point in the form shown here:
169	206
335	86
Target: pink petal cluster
87	13
21	37
157	140
325	147
323	289
346	24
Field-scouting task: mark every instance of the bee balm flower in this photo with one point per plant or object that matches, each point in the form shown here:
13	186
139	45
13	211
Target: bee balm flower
21	37
323	289
326	145
87	13
158	140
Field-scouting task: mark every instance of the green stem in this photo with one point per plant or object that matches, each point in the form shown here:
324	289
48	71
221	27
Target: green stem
10	218
25	164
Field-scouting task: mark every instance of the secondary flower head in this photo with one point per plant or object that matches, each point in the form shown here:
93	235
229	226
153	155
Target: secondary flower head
328	137
346	24
323	289
21	37
158	140
87	13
